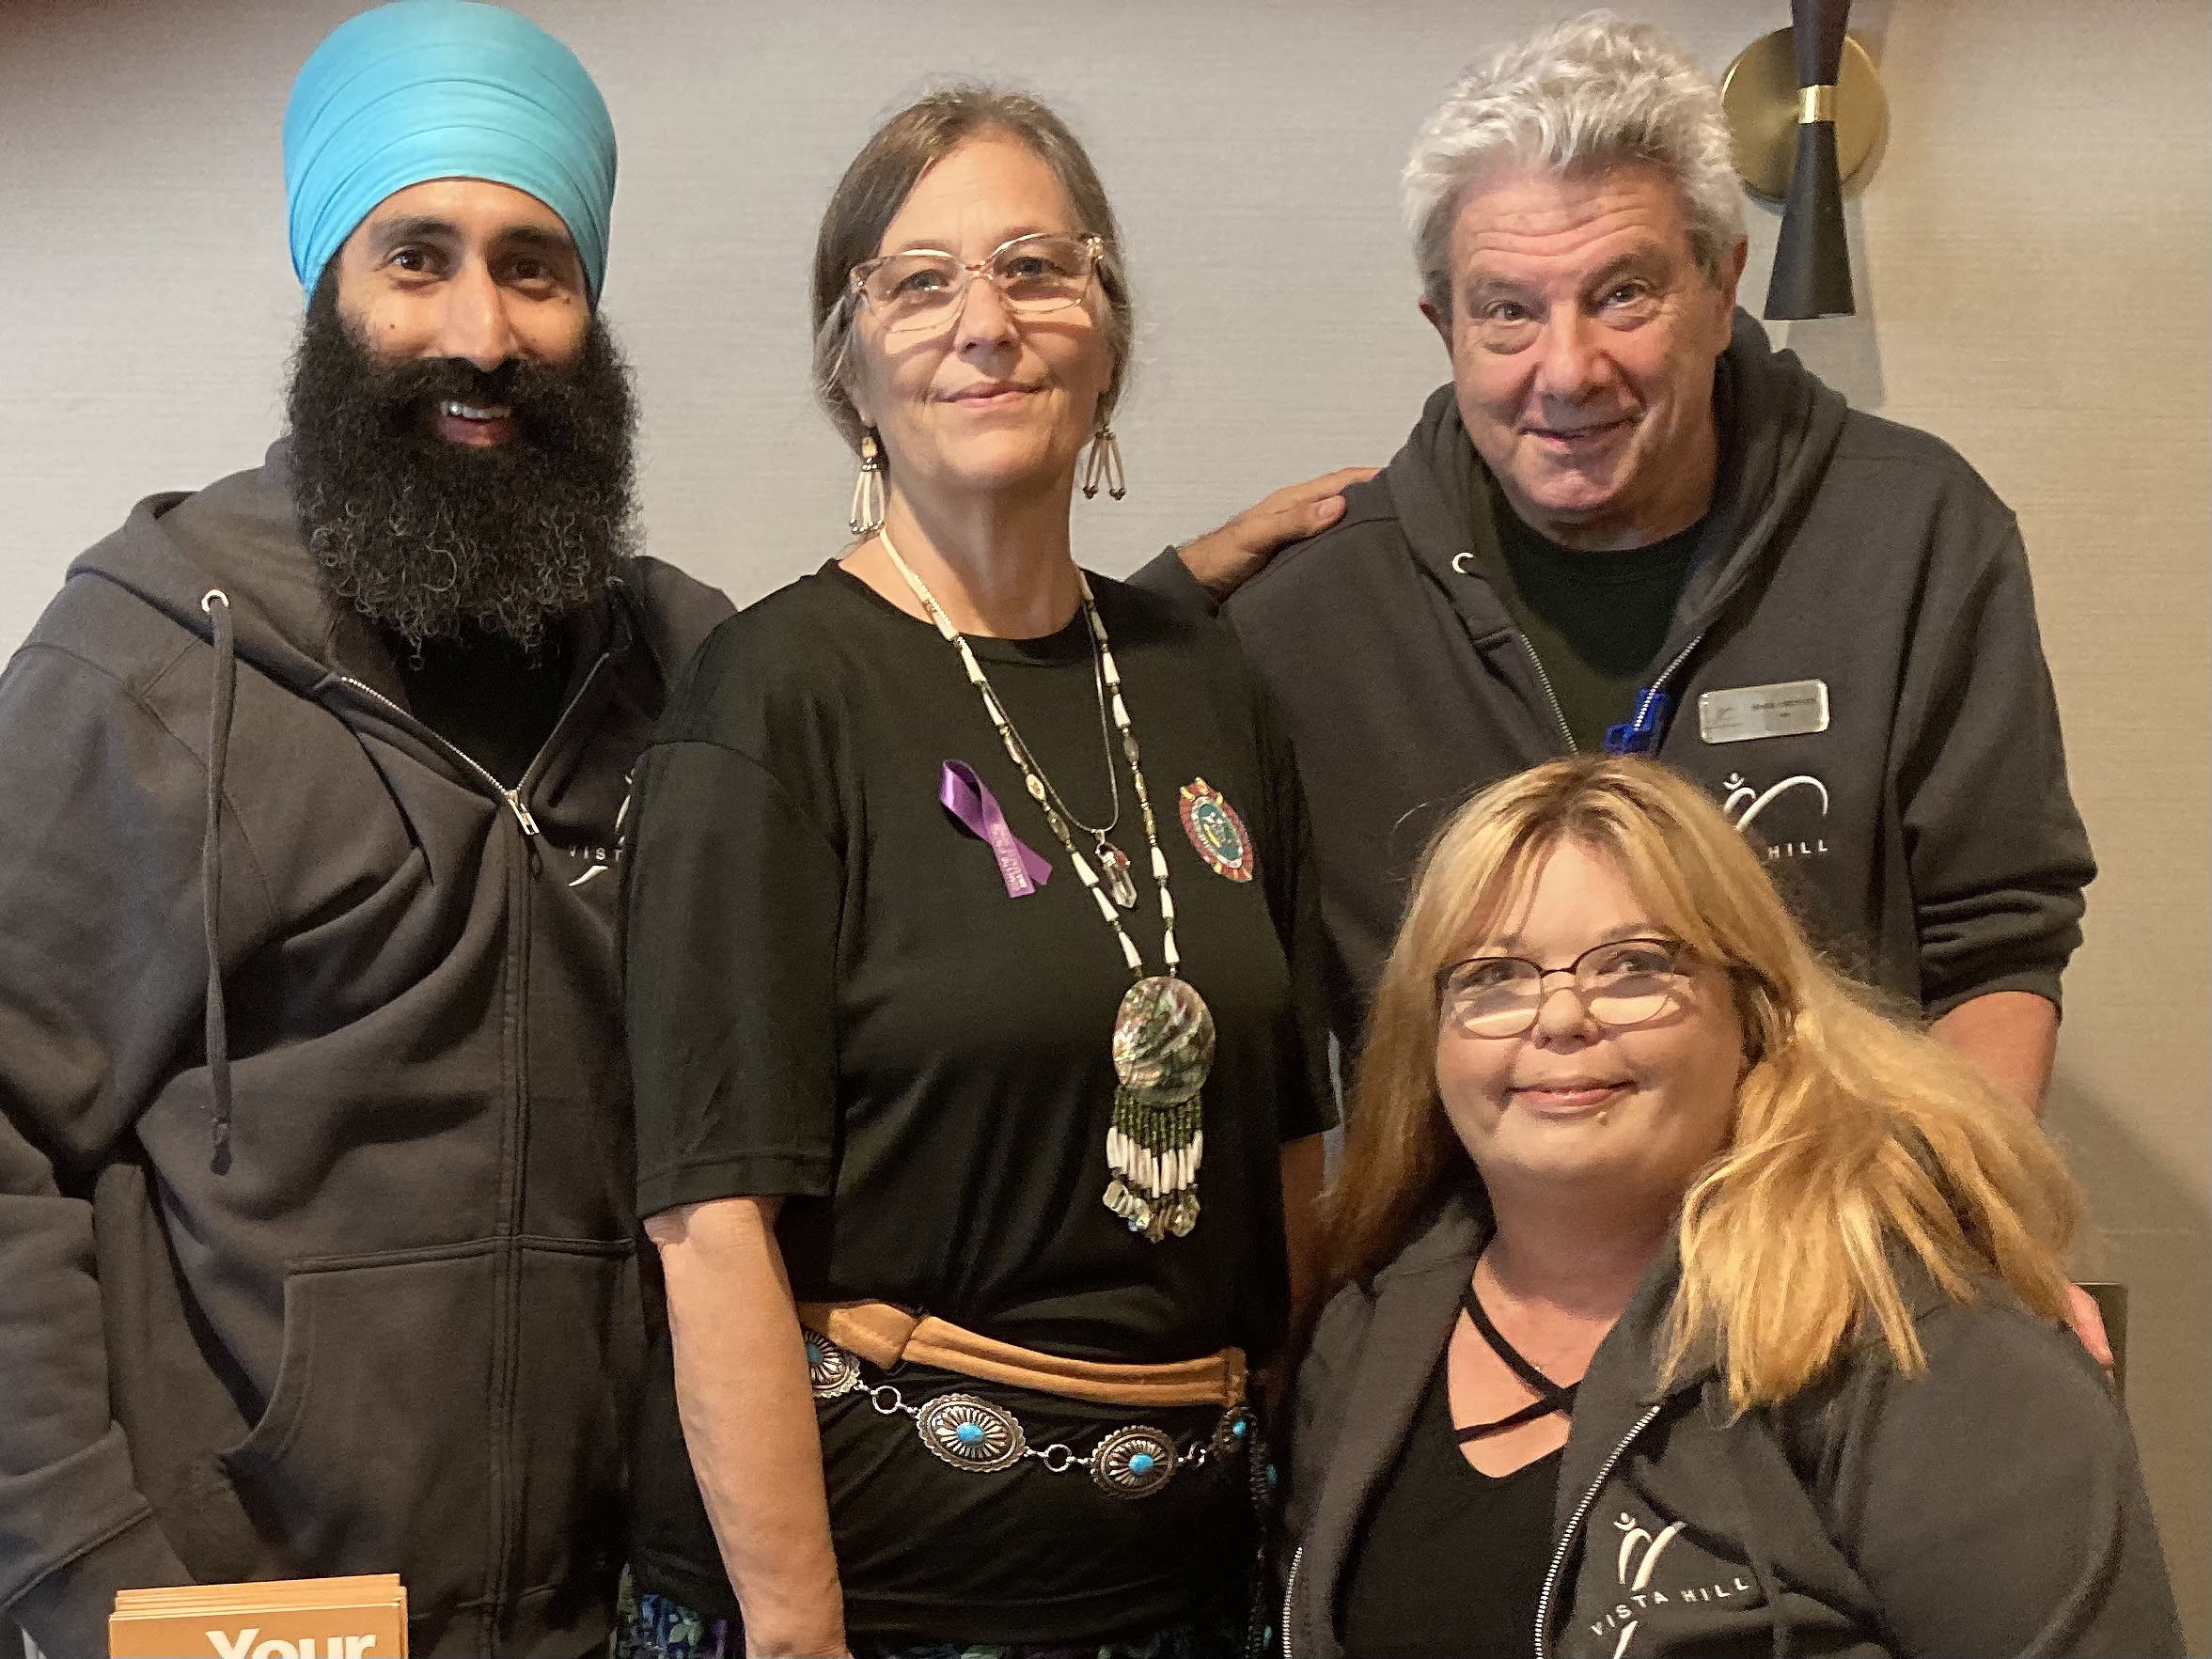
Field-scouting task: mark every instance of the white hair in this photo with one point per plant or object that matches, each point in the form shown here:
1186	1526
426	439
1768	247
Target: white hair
1586	94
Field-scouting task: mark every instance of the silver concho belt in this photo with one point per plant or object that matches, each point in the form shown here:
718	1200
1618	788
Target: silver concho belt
1133	1461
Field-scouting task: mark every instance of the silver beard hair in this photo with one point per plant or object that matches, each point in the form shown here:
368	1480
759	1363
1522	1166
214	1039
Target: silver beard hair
429	539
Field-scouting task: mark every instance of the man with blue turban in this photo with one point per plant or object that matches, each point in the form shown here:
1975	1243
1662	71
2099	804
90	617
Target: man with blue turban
315	1181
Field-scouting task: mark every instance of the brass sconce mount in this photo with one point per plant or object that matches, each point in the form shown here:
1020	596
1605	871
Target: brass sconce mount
1763	102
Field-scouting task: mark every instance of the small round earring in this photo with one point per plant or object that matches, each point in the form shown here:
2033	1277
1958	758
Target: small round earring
1105	466
867	515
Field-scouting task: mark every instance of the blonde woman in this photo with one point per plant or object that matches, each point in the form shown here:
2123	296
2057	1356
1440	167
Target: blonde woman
1684	1303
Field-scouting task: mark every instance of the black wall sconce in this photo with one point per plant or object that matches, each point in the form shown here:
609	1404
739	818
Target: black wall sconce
1805	107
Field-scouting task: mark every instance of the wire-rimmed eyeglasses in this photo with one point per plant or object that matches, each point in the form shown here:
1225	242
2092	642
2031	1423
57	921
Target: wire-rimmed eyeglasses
920	289
1622	982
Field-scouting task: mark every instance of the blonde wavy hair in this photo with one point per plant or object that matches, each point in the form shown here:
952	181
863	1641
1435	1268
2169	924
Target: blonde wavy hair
1857	1138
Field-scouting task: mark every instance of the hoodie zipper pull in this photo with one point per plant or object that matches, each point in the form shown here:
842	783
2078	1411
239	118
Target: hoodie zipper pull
522	813
1641	734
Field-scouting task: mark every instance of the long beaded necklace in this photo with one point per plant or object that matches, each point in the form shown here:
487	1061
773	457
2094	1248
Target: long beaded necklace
1163	1038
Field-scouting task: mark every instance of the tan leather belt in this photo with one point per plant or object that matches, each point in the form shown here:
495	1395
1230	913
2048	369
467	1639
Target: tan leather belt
885	1336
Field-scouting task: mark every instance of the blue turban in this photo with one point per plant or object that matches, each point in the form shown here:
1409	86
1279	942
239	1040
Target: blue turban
423	89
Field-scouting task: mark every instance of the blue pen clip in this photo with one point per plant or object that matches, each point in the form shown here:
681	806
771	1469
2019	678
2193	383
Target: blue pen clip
1641	734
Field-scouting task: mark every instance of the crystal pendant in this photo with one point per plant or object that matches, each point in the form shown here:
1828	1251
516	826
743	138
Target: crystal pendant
1113	865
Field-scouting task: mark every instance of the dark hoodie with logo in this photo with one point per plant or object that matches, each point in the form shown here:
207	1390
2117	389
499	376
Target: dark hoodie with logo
1925	834
1991	1506
329	1271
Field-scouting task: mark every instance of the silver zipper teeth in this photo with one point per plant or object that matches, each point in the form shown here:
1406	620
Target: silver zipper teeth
512	797
1658	682
1666	674
1559	1556
1680	657
1550	695
1290	1590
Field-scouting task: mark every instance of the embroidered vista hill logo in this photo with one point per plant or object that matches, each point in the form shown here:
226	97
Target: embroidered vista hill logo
1636	1559
1745	803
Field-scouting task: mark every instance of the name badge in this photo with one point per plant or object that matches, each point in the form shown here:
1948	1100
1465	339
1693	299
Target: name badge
1790	708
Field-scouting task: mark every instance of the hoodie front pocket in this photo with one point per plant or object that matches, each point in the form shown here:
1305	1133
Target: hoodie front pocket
376	1453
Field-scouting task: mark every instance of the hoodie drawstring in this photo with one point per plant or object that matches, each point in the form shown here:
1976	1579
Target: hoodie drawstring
221	702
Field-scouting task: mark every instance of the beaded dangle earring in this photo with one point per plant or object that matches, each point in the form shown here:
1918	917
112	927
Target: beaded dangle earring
1105	465
866	516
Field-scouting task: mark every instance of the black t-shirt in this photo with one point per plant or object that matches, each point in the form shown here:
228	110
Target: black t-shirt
834	998
1595	621
1448	1560
492	698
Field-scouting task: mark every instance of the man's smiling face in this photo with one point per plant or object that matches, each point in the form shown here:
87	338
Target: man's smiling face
460	418
1583	336
468	272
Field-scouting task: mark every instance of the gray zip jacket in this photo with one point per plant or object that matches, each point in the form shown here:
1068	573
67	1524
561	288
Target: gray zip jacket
1992	1506
320	1262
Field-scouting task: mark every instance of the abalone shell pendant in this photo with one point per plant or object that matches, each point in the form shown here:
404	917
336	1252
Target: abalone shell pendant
1155	1140
1163	1041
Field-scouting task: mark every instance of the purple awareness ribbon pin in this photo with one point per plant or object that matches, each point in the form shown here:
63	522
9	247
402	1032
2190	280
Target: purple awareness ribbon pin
965	796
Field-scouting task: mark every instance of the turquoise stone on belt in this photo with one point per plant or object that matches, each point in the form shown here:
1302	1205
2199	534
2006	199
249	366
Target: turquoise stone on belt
971	1433
1133	1461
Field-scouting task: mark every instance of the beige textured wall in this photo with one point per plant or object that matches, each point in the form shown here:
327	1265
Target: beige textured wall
2040	294
2031	256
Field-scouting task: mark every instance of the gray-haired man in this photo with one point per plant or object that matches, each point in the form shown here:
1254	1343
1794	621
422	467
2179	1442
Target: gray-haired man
1628	524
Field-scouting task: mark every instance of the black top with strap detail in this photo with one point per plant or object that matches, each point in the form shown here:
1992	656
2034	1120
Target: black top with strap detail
1550	1397
1408	1592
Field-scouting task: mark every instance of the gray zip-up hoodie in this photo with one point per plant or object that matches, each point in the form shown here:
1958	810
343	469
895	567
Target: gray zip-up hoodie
1926	835
1992	1506
331	1271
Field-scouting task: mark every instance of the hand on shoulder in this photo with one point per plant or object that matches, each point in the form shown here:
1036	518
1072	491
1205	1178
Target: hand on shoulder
1223	560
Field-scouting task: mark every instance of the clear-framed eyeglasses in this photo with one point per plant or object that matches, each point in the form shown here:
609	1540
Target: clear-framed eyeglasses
919	291
1623	982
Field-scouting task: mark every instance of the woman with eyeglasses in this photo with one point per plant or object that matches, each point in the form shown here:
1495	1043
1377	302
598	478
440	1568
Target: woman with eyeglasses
978	1082
1684	1304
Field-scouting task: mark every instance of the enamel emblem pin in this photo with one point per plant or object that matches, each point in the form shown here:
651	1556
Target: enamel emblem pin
1216	831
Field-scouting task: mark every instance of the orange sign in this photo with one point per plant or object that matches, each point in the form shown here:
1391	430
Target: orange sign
281	1619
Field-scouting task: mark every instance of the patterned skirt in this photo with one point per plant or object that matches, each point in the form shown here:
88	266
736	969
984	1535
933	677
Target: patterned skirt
648	1626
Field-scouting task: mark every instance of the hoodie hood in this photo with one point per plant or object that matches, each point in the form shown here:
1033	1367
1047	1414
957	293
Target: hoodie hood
1921	821
242	536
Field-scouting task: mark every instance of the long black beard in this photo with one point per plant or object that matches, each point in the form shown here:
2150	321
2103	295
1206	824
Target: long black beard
428	538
